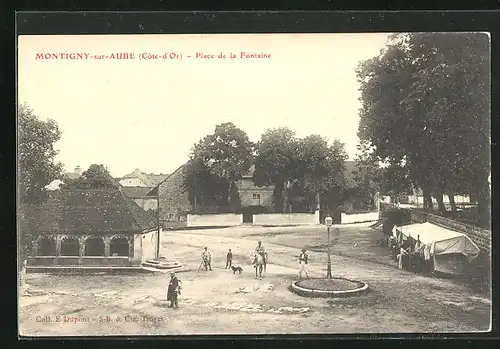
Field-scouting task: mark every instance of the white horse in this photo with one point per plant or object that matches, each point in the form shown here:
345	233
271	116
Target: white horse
258	263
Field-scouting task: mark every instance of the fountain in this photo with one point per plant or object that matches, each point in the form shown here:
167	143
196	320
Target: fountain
329	286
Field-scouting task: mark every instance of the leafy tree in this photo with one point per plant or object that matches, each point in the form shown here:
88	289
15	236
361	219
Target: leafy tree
36	153
96	177
228	153
205	190
426	104
320	168
395	181
368	176
276	162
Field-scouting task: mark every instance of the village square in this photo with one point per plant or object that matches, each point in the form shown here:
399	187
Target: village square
286	227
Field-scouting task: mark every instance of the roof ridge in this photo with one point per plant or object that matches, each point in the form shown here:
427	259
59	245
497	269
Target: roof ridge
170	175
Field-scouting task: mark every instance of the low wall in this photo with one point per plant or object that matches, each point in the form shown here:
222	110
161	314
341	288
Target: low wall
148	245
211	220
358	217
284	218
76	261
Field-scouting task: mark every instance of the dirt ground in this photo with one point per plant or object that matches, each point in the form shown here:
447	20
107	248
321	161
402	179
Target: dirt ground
220	302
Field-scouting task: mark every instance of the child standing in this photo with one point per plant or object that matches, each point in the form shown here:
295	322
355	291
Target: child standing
229	259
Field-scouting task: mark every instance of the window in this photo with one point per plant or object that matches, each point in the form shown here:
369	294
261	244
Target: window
256	200
94	246
46	246
170	216
70	246
118	246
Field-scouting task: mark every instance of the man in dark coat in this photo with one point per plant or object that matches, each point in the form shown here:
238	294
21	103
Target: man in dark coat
174	289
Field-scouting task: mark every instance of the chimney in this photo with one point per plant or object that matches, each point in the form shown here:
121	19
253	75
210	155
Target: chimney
78	170
137	171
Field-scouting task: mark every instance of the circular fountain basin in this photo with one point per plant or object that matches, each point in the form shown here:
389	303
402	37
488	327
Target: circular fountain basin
334	287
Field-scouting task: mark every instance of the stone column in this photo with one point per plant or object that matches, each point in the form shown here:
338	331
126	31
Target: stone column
131	248
81	241
34	247
107	240
58	245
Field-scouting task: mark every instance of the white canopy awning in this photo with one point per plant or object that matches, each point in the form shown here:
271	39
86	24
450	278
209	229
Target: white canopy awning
445	241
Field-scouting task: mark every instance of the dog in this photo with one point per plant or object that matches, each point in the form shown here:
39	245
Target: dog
236	269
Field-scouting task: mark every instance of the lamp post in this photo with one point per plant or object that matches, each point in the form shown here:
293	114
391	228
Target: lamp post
328	223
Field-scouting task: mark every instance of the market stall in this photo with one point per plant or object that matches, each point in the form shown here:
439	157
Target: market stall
451	251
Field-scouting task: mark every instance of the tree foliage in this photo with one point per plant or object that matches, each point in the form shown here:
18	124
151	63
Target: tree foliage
95	177
205	189
227	154
425	106
36	154
369	174
276	162
299	169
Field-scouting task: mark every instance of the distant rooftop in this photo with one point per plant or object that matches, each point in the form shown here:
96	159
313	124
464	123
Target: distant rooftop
149	179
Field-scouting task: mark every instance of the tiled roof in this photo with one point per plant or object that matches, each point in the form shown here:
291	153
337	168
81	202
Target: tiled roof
149	179
87	211
72	175
250	172
136	192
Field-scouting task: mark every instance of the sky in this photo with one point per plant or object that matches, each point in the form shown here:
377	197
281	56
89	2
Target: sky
148	113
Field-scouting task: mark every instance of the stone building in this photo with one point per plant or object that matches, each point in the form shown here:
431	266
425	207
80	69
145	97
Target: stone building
88	229
141	198
252	195
173	200
175	205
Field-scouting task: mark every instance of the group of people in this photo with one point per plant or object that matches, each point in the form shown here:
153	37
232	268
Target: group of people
411	254
206	257
175	285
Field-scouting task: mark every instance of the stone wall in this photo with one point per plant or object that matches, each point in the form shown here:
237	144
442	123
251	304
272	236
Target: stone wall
285	219
213	220
174	203
358	217
148	245
147	203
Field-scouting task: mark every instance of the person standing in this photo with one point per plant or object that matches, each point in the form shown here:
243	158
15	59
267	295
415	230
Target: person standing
206	259
303	260
229	259
427	259
174	289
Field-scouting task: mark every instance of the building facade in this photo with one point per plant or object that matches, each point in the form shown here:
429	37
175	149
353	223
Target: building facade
252	195
88	229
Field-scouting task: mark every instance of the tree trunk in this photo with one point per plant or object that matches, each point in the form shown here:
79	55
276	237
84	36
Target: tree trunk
453	205
441	206
229	198
285	198
278	197
427	201
484	205
318	204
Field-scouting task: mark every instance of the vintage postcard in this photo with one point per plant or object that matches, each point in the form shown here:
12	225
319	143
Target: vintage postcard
254	184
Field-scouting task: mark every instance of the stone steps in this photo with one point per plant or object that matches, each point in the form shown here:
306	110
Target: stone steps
161	265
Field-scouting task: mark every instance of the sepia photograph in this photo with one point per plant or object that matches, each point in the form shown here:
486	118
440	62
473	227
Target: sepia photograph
230	184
